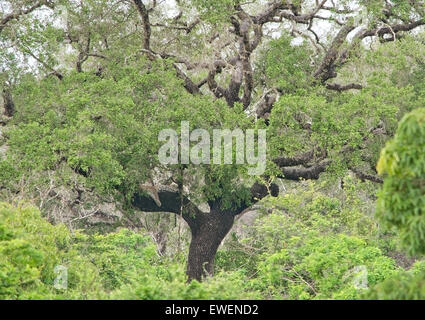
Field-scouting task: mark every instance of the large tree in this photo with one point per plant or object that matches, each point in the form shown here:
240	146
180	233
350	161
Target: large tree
110	74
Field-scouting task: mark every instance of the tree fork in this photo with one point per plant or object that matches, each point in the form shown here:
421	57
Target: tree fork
208	229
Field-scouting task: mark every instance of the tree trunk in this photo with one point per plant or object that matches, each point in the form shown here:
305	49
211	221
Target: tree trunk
9	106
208	231
208	228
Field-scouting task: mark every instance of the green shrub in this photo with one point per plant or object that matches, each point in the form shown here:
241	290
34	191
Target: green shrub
311	246
401	203
122	265
404	285
30	249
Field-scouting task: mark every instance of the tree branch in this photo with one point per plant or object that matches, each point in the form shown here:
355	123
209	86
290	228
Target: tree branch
339	87
365	176
311	173
144	14
169	199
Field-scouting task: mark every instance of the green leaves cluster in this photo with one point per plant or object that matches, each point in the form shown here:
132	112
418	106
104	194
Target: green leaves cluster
102	132
122	265
286	65
401	201
30	249
312	246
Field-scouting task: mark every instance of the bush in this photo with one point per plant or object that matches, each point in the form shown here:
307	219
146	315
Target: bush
122	265
30	249
405	285
311	246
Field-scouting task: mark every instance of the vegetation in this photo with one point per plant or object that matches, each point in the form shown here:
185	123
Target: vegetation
89	211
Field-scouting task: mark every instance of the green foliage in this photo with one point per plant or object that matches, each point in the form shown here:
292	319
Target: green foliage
122	265
401	200
215	11
285	65
327	267
404	285
171	285
311	246
354	121
96	130
102	133
30	249
118	256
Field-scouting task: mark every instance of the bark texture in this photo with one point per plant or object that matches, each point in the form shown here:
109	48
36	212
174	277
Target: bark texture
208	229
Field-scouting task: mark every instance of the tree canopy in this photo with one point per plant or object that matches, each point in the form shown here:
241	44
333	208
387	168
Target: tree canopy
338	86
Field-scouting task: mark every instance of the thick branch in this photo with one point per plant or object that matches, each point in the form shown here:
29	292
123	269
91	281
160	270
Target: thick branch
394	29
189	85
83	54
218	91
365	176
311	173
301	159
265	104
327	68
336	57
339	87
144	14
168	199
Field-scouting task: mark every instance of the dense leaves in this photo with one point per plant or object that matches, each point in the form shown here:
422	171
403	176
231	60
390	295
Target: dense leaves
87	86
401	201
